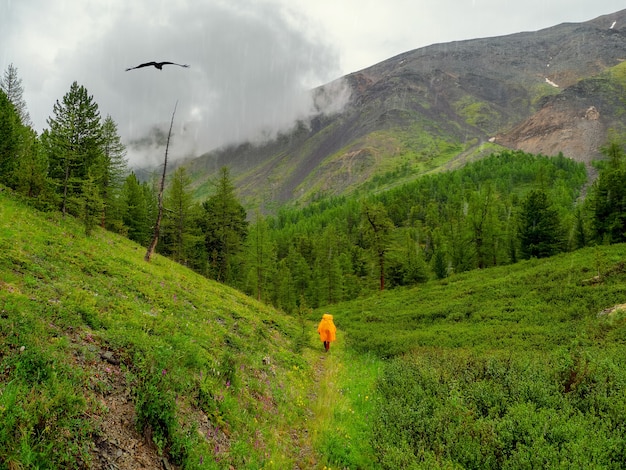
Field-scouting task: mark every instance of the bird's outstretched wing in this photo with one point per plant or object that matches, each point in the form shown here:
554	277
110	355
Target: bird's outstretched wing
147	64
158	65
173	63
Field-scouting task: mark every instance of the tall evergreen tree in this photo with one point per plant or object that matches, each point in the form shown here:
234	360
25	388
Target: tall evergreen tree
483	222
31	177
261	260
300	272
415	268
11	84
181	226
9	140
138	214
378	227
539	226
609	198
225	228
74	143
330	276
92	204
114	169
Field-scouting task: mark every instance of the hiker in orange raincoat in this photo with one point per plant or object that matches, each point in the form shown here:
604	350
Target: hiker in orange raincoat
327	330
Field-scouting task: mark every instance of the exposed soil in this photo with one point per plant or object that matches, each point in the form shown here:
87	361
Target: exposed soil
118	445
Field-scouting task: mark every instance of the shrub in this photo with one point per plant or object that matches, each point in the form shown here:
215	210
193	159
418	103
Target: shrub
456	409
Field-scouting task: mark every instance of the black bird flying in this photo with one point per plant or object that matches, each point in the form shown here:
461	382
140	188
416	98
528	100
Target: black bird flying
158	65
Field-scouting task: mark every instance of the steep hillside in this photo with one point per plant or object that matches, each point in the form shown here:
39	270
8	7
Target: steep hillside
110	362
107	361
415	112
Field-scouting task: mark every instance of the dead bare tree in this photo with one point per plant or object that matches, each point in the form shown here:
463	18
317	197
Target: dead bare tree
157	225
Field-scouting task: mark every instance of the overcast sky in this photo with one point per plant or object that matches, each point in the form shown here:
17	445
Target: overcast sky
251	61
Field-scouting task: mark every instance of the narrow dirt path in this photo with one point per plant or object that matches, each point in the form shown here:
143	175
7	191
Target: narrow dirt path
322	398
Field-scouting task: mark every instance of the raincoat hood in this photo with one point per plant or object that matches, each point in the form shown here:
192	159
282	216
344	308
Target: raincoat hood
327	328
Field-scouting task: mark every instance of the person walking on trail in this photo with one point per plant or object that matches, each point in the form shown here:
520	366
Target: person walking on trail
327	330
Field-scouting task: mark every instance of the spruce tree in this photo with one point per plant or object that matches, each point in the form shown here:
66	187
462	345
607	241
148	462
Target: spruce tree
609	198
225	228
181	231
11	84
137	214
260	260
378	227
74	144
9	140
539	229
31	178
114	169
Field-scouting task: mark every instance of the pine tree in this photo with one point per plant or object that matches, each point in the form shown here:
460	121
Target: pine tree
74	144
330	275
137	214
378	227
261	260
225	228
181	231
92	204
11	84
114	170
9	140
609	198
300	272
416	269
539	231
32	171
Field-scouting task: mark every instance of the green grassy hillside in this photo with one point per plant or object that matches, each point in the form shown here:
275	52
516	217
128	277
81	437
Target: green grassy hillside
534	304
108	360
521	366
105	358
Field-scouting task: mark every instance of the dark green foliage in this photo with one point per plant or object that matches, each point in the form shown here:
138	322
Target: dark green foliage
609	198
93	205
225	228
443	409
377	227
74	144
440	264
139	203
457	221
181	236
9	139
539	228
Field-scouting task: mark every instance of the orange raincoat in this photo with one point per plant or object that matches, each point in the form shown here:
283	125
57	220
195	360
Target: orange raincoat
327	328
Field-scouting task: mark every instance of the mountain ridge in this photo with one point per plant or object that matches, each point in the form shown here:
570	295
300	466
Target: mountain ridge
422	108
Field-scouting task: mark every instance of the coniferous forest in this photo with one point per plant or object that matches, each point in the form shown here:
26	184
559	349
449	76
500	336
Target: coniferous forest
495	211
488	357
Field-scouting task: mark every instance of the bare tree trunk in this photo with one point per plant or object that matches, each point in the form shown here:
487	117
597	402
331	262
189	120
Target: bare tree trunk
157	225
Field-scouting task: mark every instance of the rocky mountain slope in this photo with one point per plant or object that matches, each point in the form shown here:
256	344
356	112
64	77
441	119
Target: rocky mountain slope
549	91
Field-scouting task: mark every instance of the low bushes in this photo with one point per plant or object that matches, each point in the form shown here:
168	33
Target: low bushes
452	409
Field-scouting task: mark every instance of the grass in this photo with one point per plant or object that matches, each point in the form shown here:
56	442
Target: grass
507	367
342	402
204	366
535	304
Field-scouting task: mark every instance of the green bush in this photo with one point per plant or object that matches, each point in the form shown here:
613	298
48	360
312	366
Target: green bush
156	410
442	409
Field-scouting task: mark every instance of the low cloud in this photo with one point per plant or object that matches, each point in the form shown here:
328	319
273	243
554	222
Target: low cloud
252	68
